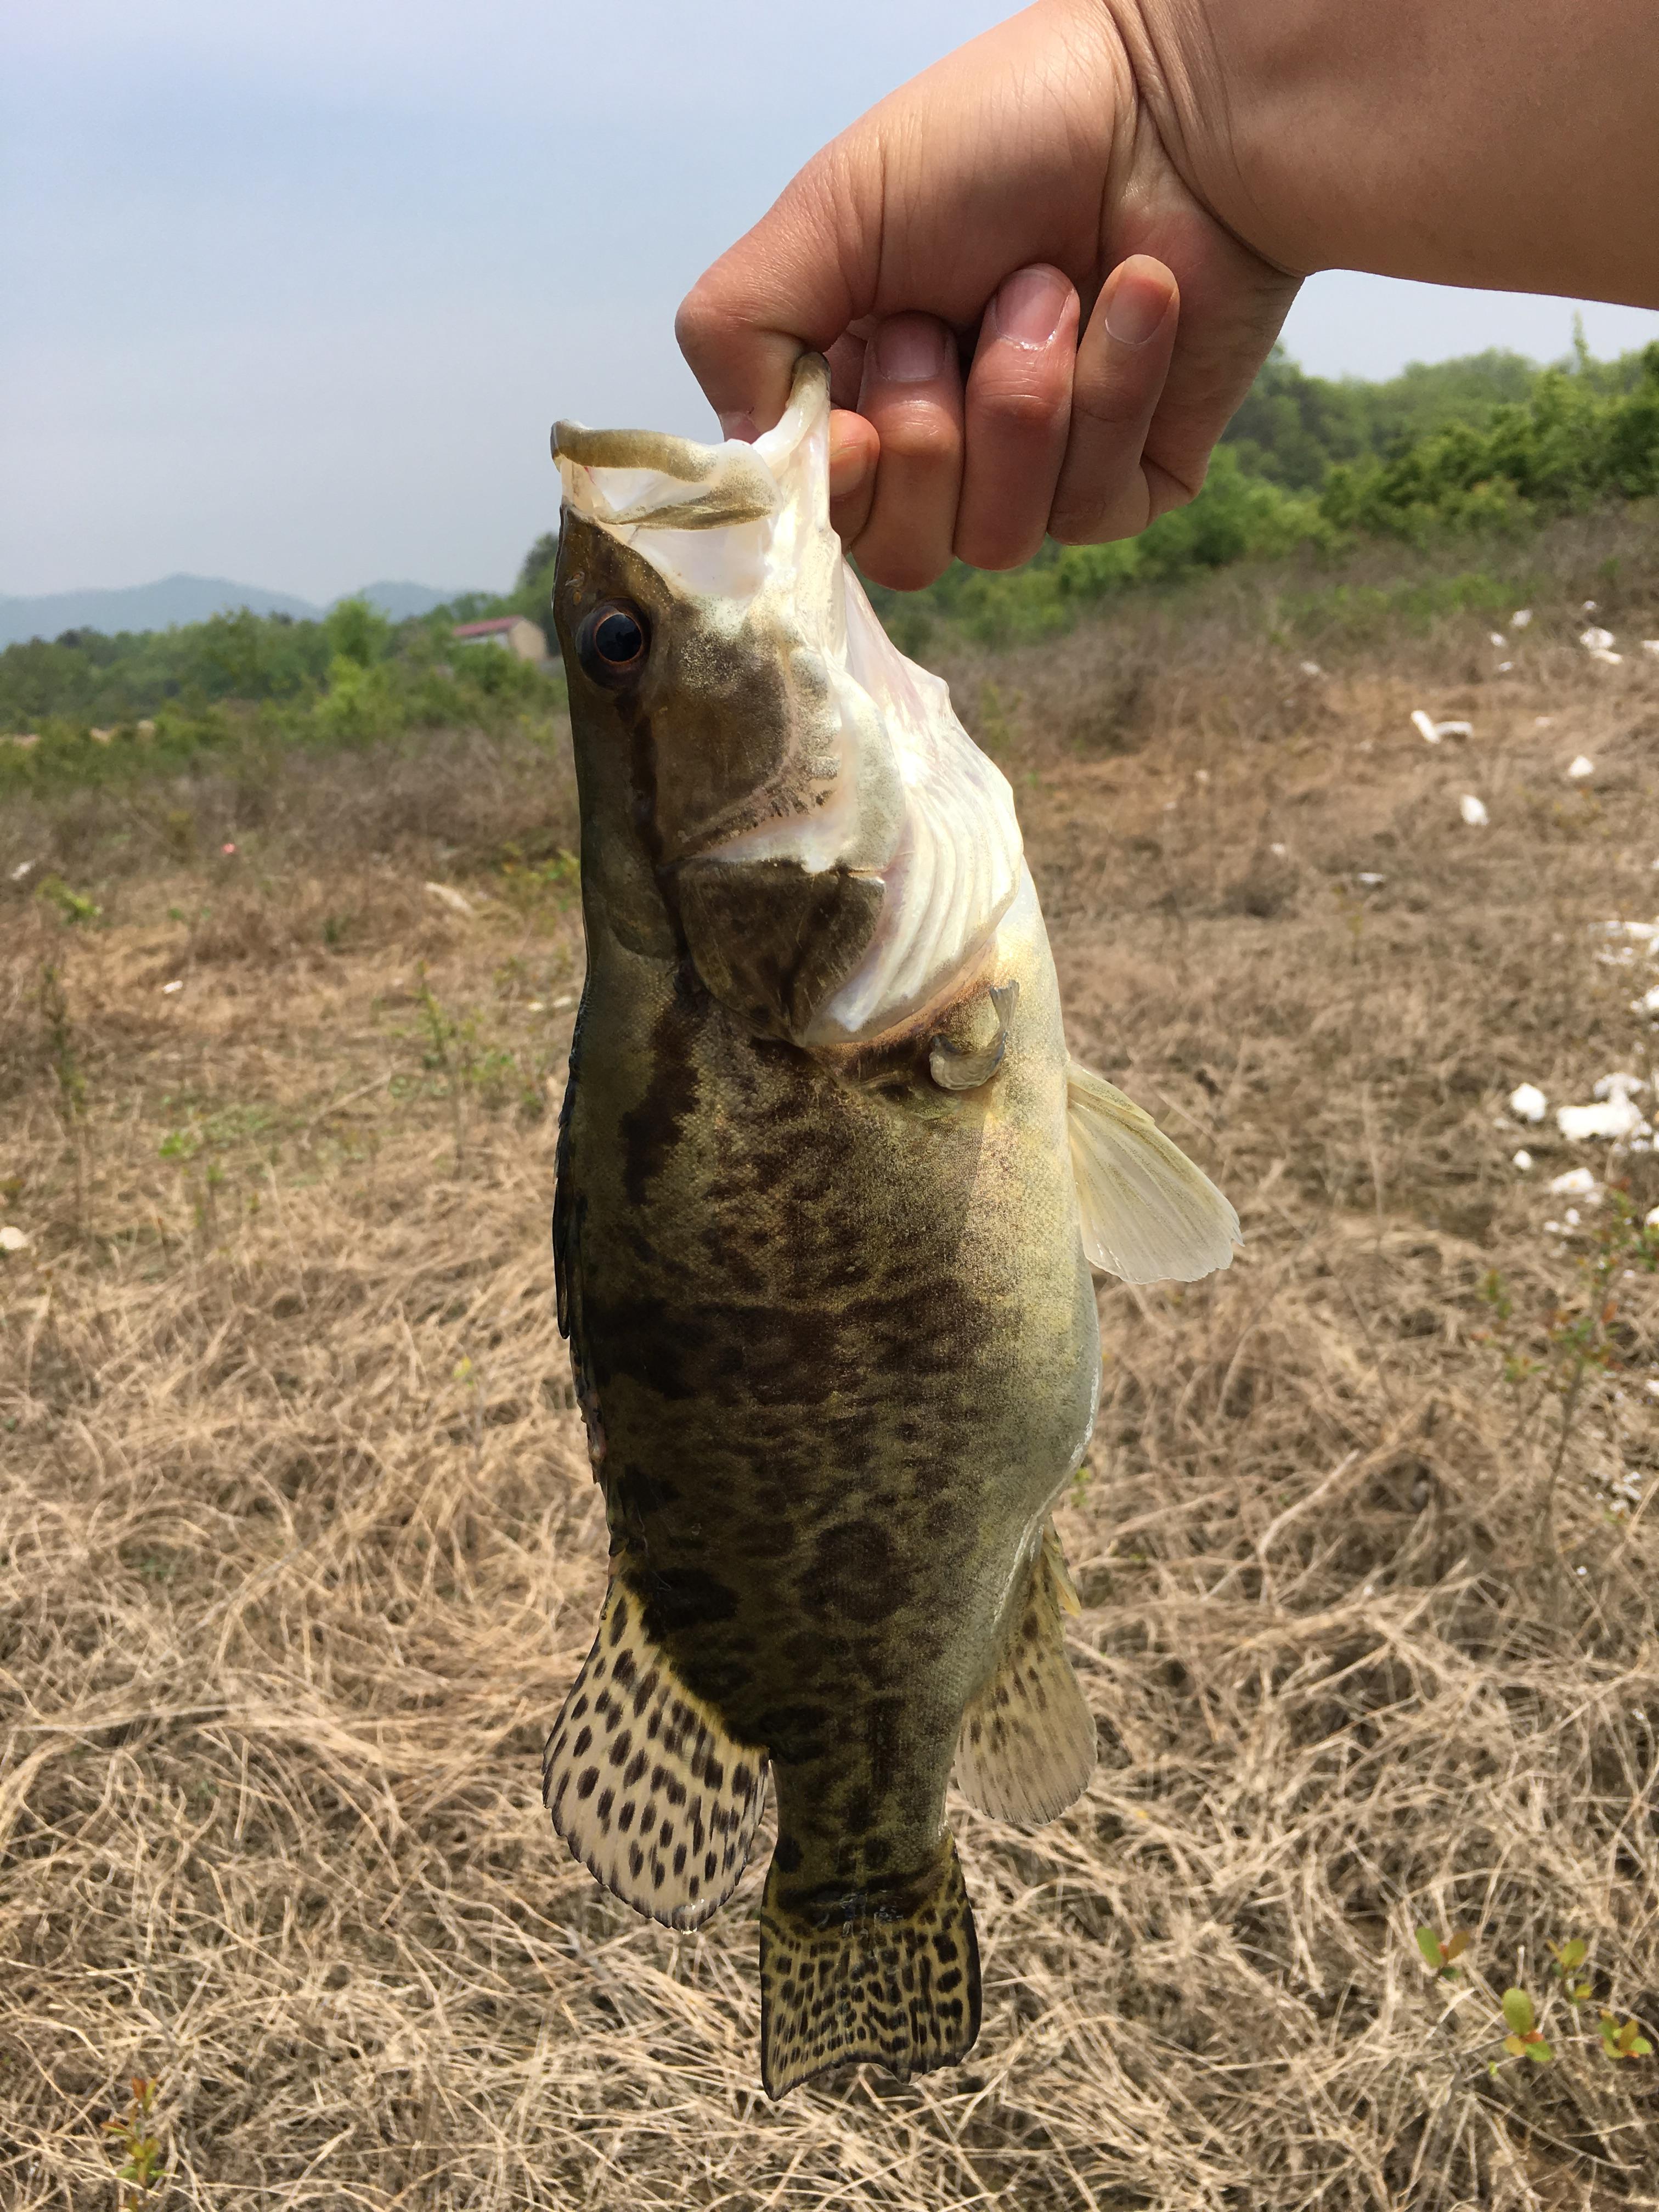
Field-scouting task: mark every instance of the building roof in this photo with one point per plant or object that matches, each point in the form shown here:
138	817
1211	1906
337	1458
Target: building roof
490	629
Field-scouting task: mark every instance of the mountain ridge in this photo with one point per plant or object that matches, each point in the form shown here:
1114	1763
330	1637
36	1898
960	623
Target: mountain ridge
181	597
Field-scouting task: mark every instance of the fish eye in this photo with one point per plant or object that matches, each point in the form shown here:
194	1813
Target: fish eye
613	642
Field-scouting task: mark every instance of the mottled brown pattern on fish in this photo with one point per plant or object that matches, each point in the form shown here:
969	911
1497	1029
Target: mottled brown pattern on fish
832	1415
832	1321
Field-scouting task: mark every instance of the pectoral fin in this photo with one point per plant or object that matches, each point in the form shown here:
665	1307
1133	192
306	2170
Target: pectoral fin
1027	1746
642	1780
1148	1214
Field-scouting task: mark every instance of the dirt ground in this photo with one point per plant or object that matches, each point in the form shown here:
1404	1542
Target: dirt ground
299	1547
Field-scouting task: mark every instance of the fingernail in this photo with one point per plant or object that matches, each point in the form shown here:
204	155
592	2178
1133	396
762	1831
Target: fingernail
739	424
1136	309
910	349
1031	306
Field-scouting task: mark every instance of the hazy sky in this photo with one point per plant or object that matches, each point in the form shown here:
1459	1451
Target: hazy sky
292	293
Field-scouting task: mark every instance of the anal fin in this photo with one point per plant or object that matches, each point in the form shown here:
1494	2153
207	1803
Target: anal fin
642	1780
1027	1746
889	1972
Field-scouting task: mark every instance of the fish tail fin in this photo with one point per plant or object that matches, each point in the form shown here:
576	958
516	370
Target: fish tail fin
890	1973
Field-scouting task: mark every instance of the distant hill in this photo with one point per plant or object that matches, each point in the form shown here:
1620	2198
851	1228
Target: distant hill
401	600
187	599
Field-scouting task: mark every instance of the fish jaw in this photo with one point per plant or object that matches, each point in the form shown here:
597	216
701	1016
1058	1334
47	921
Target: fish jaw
778	734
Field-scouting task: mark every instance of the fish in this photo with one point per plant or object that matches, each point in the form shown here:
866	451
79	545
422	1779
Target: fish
829	1191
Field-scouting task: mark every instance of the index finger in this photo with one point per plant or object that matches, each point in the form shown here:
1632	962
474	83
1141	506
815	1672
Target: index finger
904	213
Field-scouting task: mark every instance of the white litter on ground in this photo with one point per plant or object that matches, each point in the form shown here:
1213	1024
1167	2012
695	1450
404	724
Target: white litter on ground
1613	1119
1616	1085
1613	660
1497	639
21	870
1472	811
176	985
1372	882
1641	934
1594	639
1311	668
1649	1001
1581	768
1651	1221
1282	852
457	901
1520	619
13	1239
1527	1102
1543	722
1577	1183
1431	732
1523	1160
1651	645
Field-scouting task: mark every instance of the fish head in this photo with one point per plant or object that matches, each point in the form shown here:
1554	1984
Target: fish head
750	746
698	598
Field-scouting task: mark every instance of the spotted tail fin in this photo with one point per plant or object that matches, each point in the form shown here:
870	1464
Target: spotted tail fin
890	1973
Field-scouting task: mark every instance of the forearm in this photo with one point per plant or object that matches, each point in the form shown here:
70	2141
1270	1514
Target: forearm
1507	143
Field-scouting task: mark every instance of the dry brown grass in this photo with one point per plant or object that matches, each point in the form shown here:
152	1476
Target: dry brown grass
298	1548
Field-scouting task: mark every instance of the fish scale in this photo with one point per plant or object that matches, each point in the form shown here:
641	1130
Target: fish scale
823	1255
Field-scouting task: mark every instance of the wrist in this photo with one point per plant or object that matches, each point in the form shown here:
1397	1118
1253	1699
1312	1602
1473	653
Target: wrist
1500	143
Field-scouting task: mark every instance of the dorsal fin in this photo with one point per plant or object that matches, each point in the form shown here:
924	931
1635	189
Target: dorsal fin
643	1781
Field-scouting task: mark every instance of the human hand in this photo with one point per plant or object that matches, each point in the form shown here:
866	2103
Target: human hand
1014	208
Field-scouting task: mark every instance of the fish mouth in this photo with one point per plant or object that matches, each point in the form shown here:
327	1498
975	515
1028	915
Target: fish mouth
654	481
879	793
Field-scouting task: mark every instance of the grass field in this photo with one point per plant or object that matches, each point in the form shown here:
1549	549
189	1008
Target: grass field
298	1548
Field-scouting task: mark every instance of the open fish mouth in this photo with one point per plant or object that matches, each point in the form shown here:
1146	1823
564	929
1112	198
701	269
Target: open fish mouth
877	778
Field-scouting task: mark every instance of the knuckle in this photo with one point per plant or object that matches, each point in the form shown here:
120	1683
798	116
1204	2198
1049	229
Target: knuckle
921	435
1022	409
1098	525
1171	487
696	320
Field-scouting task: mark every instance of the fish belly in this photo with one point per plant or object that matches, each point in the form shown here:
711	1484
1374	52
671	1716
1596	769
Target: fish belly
841	1353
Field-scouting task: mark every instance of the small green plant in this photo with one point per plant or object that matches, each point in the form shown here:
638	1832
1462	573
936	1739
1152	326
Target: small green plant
64	1060
1556	1354
1524	2039
1568	1958
1443	1955
529	884
136	2140
449	1051
75	907
472	1383
1623	2042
